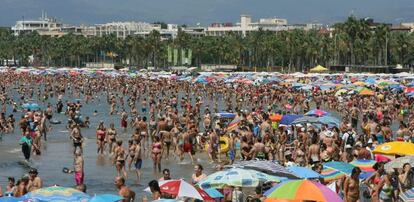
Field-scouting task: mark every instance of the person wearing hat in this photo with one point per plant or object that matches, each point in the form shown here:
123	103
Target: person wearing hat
35	182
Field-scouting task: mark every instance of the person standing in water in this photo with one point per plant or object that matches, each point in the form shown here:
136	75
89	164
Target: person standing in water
27	143
120	157
79	169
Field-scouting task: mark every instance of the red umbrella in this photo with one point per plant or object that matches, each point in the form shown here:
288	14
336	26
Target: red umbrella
409	90
205	196
179	188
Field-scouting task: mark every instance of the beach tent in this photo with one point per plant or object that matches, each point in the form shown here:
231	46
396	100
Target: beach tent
319	68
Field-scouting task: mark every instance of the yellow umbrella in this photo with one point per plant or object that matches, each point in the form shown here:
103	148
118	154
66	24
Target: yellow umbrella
319	68
360	83
395	148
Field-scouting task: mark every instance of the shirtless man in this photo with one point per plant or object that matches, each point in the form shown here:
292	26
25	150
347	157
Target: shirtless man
124	191
259	149
167	139
35	182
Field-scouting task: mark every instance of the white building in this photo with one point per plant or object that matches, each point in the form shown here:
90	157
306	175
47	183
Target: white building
245	26
123	29
44	26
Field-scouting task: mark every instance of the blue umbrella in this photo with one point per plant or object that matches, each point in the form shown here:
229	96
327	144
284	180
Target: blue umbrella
329	120
31	106
303	172
289	118
14	199
316	112
105	198
226	115
213	193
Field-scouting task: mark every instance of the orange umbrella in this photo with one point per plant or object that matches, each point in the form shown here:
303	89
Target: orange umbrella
367	92
276	117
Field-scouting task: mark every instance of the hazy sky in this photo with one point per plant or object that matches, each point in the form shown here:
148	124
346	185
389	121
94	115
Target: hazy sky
205	11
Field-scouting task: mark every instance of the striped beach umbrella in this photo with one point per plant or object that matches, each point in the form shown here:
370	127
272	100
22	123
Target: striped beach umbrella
301	190
407	196
365	164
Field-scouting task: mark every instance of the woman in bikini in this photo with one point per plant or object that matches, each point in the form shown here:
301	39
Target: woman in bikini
131	151
111	137
351	186
156	153
100	137
120	156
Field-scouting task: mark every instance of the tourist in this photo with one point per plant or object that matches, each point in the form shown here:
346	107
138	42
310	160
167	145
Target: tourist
119	159
166	175
155	189
79	167
406	178
198	174
124	191
156	153
351	186
100	137
35	182
27	143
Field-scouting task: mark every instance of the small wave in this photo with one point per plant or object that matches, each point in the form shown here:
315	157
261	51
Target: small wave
14	151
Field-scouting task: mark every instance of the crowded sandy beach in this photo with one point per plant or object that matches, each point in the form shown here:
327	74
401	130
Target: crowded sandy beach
120	135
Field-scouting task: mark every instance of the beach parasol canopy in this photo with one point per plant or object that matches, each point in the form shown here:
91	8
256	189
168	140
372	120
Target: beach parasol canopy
276	117
179	188
269	167
15	199
31	106
319	68
303	172
399	162
302	190
316	112
395	148
289	118
57	193
367	92
237	177
225	115
365	165
407	196
105	198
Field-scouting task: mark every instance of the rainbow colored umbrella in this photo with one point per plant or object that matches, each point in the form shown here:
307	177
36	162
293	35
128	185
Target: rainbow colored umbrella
302	190
233	124
408	195
57	193
330	174
365	165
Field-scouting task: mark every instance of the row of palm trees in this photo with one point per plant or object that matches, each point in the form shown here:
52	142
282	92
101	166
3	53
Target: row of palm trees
353	42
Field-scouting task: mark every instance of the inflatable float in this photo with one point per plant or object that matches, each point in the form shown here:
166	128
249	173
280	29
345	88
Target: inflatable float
224	145
54	121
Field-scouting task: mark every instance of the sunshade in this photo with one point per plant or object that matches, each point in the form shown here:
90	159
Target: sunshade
225	115
399	163
364	164
289	118
395	148
306	119
303	172
302	190
367	92
106	198
316	112
179	188
407	196
57	193
276	117
319	68
269	167
340	166
329	120
237	177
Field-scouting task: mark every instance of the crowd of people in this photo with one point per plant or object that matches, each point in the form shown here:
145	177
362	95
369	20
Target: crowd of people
177	119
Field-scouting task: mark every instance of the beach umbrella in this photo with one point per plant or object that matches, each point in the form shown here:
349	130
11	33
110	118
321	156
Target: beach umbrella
31	106
367	92
213	193
395	148
409	90
289	118
58	194
399	162
179	188
302	190
316	112
225	115
303	172
305	119
329	120
366	165
360	83
105	198
341	92
340	166
269	167
407	196
331	174
205	195
233	124
276	117
16	199
237	177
